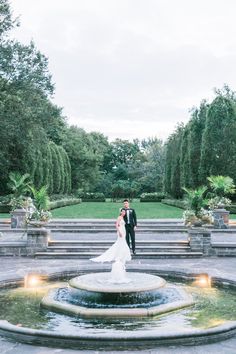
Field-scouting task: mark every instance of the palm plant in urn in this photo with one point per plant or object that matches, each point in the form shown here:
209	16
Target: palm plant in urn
195	202
40	215
221	188
19	185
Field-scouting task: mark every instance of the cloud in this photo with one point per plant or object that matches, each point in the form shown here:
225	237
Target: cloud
132	63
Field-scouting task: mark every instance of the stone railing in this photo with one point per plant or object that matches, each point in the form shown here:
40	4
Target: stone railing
200	241
37	240
221	218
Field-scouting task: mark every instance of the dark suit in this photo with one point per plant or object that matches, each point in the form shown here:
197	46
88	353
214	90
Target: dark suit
130	222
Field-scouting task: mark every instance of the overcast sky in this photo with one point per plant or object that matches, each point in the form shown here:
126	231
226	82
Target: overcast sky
132	68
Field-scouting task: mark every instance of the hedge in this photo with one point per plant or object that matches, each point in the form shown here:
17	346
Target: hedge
174	202
92	197
152	197
63	202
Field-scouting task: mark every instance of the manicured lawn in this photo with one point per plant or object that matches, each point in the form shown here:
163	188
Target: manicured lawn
110	210
4	216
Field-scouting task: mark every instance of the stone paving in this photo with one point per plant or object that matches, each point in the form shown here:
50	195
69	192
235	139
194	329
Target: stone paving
12	268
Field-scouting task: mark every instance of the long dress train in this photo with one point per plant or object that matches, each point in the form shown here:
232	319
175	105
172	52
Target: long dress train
119	251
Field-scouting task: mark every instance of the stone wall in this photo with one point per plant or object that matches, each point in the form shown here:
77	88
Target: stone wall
200	241
36	240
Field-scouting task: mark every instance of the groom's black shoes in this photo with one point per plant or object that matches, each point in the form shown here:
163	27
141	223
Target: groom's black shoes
134	252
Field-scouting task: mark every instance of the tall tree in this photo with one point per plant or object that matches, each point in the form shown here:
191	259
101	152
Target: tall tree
152	166
25	67
219	139
85	158
184	160
196	127
172	171
7	22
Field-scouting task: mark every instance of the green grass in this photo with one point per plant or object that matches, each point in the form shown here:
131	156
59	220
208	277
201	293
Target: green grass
4	216
110	210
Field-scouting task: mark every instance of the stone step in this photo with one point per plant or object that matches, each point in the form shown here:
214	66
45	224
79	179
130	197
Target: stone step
111	226
113	230
151	255
112	221
108	243
224	244
99	250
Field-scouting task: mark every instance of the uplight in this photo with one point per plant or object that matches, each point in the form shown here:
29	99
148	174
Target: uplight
32	280
203	281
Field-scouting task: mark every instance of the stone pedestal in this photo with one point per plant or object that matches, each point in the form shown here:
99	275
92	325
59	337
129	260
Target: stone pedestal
221	218
37	240
200	240
18	218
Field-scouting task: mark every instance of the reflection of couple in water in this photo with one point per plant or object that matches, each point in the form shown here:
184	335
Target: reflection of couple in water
125	225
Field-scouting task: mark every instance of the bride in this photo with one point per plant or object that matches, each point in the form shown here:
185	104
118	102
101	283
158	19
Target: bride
119	251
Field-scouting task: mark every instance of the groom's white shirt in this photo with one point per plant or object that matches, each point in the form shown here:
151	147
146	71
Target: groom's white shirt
128	220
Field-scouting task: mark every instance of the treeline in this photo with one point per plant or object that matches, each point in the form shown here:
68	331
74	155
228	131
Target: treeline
205	146
31	126
36	139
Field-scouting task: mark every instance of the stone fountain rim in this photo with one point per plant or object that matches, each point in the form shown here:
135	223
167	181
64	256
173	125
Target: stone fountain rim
51	304
50	338
80	283
60	340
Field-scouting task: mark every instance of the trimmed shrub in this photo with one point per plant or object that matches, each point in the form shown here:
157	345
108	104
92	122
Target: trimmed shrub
92	197
178	203
152	197
63	202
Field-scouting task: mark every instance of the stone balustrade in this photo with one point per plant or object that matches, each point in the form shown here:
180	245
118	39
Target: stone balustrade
37	240
200	241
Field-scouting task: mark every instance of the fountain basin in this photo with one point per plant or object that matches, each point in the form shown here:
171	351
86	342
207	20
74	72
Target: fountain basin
51	304
117	341
23	320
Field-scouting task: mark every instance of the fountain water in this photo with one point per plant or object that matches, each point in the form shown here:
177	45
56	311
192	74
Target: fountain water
114	294
117	309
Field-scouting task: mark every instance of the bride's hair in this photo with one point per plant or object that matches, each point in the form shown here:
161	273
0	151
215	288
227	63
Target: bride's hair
121	209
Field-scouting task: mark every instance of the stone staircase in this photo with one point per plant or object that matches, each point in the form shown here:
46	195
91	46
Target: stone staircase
85	239
144	249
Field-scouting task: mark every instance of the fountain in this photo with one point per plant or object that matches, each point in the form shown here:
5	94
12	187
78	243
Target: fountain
117	294
117	310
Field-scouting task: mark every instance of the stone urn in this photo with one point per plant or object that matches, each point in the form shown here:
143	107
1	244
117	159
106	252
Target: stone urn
18	218
221	218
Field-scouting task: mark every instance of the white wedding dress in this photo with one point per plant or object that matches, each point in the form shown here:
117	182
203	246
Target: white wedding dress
119	251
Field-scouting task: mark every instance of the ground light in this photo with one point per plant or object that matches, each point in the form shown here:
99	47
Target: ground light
32	280
203	281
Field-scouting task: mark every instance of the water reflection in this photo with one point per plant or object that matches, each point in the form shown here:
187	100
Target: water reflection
22	306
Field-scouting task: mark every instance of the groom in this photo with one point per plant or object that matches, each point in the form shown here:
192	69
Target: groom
130	224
